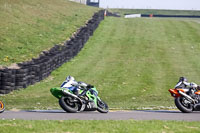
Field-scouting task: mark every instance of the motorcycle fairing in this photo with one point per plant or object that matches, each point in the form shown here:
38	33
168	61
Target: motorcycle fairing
197	93
175	93
57	92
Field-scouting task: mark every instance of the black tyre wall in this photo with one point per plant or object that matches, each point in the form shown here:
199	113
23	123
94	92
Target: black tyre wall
37	69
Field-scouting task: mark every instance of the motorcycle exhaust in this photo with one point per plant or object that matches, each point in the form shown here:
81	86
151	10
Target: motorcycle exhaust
70	94
65	92
186	96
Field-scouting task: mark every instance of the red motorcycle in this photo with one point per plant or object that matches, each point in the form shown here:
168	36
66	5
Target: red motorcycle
2	107
187	100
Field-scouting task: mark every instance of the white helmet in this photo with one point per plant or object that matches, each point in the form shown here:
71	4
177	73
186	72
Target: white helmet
69	78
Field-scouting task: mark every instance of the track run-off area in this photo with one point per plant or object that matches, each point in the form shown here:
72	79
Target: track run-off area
90	115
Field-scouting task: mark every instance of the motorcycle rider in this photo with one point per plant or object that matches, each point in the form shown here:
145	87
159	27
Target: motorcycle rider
74	86
184	84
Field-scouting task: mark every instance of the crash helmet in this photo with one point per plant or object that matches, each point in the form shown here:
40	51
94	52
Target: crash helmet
183	79
69	78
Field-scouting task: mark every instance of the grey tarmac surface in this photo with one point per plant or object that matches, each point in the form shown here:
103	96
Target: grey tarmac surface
112	115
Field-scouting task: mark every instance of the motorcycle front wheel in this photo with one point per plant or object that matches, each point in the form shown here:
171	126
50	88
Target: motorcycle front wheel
102	107
2	107
67	104
183	105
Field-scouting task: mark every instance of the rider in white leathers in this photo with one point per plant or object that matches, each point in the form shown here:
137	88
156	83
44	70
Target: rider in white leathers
73	85
183	83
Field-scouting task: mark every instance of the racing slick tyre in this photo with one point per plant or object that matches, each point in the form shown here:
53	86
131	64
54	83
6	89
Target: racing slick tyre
67	104
183	105
102	107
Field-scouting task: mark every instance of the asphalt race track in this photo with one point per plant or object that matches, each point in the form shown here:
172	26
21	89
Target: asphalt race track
112	115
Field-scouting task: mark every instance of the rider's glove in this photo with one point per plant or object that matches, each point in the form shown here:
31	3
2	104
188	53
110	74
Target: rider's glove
198	87
89	86
193	85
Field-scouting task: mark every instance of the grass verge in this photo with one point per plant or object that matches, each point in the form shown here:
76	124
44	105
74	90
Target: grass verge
80	126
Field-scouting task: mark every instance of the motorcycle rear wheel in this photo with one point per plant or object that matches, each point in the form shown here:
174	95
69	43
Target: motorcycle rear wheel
102	107
182	106
67	105
2	107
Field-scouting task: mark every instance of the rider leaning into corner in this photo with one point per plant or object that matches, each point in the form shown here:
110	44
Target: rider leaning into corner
74	86
183	83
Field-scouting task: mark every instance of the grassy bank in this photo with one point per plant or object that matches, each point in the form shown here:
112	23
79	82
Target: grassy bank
132	62
28	27
77	126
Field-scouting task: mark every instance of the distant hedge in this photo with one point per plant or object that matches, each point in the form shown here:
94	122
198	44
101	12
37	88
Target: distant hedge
30	72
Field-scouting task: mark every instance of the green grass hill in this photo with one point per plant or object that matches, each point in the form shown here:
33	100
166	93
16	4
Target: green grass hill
28	27
132	62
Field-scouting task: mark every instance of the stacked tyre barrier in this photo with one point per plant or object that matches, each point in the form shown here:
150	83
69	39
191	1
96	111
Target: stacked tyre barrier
30	72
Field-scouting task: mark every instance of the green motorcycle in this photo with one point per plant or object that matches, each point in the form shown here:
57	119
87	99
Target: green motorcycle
83	99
